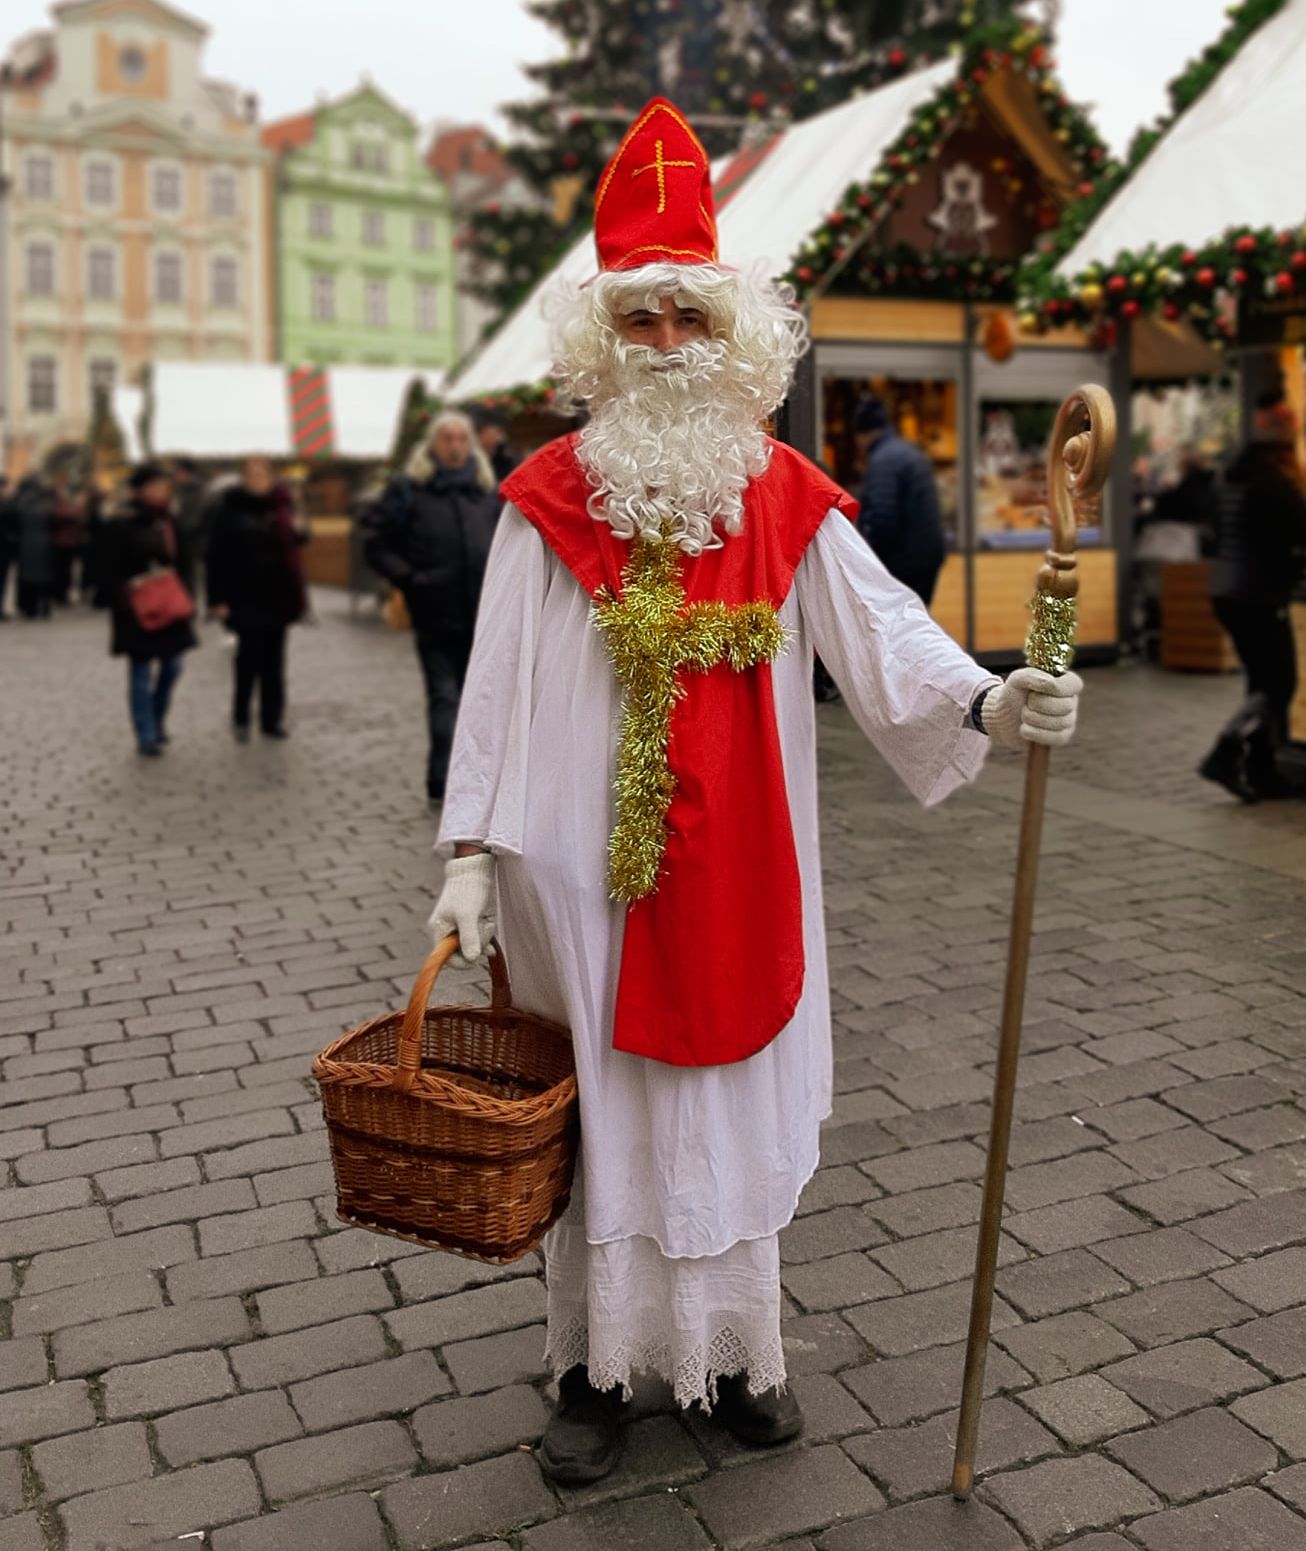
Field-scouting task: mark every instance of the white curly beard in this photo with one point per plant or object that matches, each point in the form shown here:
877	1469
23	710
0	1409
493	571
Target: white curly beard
672	443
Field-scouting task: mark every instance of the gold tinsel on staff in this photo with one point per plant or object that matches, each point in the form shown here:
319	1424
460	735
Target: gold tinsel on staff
653	637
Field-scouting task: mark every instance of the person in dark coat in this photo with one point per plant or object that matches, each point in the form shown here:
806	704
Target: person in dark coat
899	515
193	512
1259	552
140	538
430	538
8	541
254	574
68	521
33	520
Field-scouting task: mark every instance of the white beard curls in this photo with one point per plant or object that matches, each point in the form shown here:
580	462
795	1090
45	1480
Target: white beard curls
672	443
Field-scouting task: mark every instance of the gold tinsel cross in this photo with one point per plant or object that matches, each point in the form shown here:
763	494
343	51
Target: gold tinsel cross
653	637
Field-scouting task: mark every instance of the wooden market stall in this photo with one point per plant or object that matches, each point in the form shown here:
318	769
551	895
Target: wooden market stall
900	218
1204	245
330	431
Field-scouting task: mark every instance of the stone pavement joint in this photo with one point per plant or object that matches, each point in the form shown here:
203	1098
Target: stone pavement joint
198	1348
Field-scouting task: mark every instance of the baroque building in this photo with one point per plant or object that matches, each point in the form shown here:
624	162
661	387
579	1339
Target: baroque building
363	239
138	214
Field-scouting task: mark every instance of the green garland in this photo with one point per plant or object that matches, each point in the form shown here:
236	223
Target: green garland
865	204
1201	284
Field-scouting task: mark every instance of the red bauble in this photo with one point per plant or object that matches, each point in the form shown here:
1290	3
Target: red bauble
979	76
1298	260
863	201
1052	308
1047	218
1130	309
1188	257
1037	55
758	100
1084	189
571	161
835	218
1116	284
1284	283
1205	278
1238	277
1171	310
805	273
897	58
1245	244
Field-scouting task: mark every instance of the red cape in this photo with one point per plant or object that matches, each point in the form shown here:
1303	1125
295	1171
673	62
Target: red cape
712	962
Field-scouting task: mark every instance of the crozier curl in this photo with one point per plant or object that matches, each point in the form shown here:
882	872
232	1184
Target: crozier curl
674	437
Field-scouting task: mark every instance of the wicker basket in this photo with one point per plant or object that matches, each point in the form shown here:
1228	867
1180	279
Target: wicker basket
453	1126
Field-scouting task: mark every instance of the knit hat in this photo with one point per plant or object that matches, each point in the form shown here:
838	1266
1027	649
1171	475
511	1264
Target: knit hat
871	414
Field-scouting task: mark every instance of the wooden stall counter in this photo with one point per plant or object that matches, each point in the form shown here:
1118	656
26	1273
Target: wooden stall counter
1192	638
1004	584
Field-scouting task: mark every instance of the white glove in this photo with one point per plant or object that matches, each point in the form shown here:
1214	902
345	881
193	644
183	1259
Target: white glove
466	905
1032	707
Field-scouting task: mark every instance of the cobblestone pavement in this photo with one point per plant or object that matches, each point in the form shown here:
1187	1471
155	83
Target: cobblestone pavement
199	1356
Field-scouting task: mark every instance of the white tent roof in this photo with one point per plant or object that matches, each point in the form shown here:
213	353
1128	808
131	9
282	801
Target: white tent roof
126	406
221	409
1231	160
779	205
365	405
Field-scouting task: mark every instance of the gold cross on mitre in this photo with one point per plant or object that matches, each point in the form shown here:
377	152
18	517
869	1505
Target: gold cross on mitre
653	636
659	164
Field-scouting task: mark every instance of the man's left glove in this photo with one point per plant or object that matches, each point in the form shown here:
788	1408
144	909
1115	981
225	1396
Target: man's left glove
466	905
1032	707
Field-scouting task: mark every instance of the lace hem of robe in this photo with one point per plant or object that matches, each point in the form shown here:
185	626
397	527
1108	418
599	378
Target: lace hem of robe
691	1363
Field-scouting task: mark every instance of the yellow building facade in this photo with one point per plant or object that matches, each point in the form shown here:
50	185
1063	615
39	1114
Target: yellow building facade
138	214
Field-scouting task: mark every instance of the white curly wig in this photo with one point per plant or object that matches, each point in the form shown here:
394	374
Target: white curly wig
674	437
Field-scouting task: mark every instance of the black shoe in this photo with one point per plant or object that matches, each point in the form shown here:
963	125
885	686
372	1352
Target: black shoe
163	739
1226	765
586	1432
240	731
274	732
772	1417
150	750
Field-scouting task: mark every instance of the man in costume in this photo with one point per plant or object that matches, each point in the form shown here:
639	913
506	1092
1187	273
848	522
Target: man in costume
634	777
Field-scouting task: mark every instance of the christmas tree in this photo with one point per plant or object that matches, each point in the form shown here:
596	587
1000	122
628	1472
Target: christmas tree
736	67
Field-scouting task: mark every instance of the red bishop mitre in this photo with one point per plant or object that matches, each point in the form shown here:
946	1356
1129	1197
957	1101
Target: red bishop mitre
654	200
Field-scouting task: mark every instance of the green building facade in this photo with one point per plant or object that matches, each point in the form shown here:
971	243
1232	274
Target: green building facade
362	239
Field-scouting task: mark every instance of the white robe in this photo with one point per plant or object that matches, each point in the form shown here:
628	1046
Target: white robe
668	1257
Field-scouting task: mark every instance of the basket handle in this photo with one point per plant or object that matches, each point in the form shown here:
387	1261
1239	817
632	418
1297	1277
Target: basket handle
409	1061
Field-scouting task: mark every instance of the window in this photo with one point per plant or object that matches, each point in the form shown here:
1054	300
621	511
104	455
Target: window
424	234
103	375
222	195
132	63
377	304
320	223
38	176
167	278
101	274
40	269
425	318
324	299
358	156
380	158
99	183
223	282
373	228
41	396
167	188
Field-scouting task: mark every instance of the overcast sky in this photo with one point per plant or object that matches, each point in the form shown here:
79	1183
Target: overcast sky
458	59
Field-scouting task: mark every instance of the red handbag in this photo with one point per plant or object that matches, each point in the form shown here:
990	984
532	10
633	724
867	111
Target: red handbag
159	599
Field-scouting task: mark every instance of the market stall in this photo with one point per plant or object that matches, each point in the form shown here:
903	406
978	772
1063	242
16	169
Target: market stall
1203	246
900	218
330	430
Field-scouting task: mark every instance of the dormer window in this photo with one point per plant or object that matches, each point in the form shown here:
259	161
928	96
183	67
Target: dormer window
132	64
